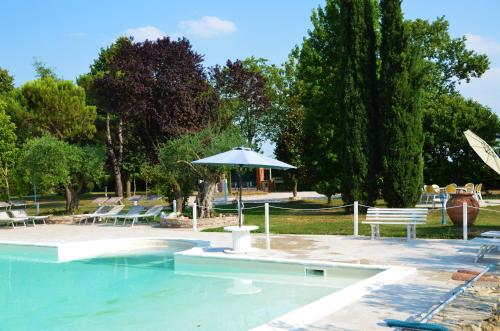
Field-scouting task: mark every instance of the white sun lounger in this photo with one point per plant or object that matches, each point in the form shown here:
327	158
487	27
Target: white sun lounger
152	212
112	212
487	245
6	218
491	234
83	217
133	212
21	213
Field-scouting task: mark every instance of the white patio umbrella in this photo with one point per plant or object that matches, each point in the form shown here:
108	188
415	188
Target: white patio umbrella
485	151
242	157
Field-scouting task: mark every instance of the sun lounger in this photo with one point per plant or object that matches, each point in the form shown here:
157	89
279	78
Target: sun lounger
100	201
407	325
21	213
5	205
491	234
487	245
112	212
7	219
152	212
83	217
115	201
133	212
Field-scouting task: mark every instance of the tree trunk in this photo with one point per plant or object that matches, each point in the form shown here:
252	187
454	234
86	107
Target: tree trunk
146	188
329	199
128	187
179	200
72	198
206	191
294	189
7	187
116	159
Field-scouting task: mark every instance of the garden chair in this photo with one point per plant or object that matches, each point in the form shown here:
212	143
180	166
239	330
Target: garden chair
5	205
469	188
432	193
451	189
477	192
21	213
115	210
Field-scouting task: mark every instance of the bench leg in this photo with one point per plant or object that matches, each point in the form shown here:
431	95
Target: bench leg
373	231
408	232
414	231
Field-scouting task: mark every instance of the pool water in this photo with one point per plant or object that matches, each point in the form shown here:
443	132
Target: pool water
145	291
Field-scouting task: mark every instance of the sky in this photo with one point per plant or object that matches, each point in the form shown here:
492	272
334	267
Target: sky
67	35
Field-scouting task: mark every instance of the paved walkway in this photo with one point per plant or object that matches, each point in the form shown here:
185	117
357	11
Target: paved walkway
435	260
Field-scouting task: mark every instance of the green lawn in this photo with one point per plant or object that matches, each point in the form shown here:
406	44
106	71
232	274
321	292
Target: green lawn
338	222
309	221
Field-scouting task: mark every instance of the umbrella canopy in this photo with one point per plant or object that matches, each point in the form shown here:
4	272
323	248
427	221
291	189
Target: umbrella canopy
243	157
485	152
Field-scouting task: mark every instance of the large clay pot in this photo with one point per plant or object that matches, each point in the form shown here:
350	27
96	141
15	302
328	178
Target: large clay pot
456	213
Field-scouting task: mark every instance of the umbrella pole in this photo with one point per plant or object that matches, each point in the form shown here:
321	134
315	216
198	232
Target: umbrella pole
240	205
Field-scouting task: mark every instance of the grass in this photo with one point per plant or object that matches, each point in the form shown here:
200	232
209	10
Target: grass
325	222
338	222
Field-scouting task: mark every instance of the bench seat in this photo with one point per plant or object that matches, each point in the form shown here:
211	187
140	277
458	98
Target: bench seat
411	217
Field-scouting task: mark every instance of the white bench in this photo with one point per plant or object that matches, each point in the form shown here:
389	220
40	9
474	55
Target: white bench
411	217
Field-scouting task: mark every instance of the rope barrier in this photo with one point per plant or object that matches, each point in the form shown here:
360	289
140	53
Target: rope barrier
310	209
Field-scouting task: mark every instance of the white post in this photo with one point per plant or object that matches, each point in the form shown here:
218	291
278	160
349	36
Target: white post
464	219
355	218
194	217
174	206
266	217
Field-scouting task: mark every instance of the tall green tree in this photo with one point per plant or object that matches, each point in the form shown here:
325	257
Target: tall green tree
357	100
53	106
400	110
448	158
52	164
8	150
6	81
317	68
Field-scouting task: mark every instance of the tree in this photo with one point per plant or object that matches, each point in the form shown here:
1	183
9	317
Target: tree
448	157
401	114
56	107
316	71
6	82
357	101
244	90
289	121
76	167
176	157
153	91
8	150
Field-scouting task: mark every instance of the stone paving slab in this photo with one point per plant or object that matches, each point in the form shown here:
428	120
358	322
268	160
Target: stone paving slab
435	261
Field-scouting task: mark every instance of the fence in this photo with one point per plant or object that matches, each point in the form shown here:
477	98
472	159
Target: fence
356	205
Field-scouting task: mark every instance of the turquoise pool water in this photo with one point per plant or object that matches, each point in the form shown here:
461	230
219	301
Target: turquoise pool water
147	291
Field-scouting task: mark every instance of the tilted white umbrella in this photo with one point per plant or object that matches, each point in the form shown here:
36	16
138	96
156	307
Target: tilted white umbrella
485	151
242	157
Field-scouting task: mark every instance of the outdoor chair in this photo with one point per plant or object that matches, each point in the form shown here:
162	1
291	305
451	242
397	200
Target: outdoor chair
100	201
115	210
114	201
133	212
5	205
21	213
7	219
451	189
477	192
432	192
469	188
99	211
152	212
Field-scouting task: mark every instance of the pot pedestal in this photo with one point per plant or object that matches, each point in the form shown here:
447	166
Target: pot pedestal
242	242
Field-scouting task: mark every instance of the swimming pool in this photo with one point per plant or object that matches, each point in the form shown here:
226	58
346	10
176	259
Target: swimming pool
150	289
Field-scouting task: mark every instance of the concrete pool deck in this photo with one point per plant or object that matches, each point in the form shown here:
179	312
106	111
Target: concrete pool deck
434	260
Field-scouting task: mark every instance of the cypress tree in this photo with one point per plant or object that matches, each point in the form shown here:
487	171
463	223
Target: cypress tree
401	138
357	100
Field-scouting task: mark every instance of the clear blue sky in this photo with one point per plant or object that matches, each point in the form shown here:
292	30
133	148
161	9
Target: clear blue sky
67	35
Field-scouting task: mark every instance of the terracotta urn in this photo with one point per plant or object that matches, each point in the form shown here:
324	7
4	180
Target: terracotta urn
455	211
